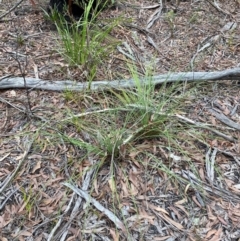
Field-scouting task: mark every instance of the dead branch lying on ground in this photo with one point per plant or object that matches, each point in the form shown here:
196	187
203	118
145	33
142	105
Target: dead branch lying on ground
60	85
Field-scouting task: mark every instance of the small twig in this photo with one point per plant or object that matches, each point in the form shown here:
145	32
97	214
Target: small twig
6	76
25	37
142	30
217	7
198	196
85	185
5	119
11	9
151	41
65	159
236	158
229	138
95	112
126	54
14	106
64	230
60	219
209	41
234	109
154	18
10	178
7	198
220	192
224	119
28	107
210	160
4	157
97	205
42	224
25	111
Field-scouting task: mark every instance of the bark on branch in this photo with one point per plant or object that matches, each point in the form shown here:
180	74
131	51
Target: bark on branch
60	85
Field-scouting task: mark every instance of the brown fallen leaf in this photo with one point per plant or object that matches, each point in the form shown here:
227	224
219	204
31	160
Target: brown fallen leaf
114	234
217	235
157	208
170	221
37	166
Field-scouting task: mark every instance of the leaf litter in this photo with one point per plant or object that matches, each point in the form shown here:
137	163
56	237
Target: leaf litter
189	193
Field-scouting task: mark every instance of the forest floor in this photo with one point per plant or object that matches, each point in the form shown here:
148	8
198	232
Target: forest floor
181	184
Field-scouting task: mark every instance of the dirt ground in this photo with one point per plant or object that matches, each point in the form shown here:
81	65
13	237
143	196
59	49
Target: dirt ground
194	35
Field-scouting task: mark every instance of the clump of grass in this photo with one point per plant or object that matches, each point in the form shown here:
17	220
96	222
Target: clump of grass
20	40
83	43
130	116
170	18
29	199
133	137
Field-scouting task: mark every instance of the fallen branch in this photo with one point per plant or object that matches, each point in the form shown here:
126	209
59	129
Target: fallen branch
97	205
32	83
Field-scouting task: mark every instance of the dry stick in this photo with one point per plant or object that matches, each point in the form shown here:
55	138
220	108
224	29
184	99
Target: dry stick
99	206
151	41
64	230
7	198
236	158
10	178
60	219
209	43
96	112
47	220
25	111
74	213
154	18
225	119
217	7
22	71
61	85
4	157
27	105
220	192
185	119
210	161
5	120
14	106
11	9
